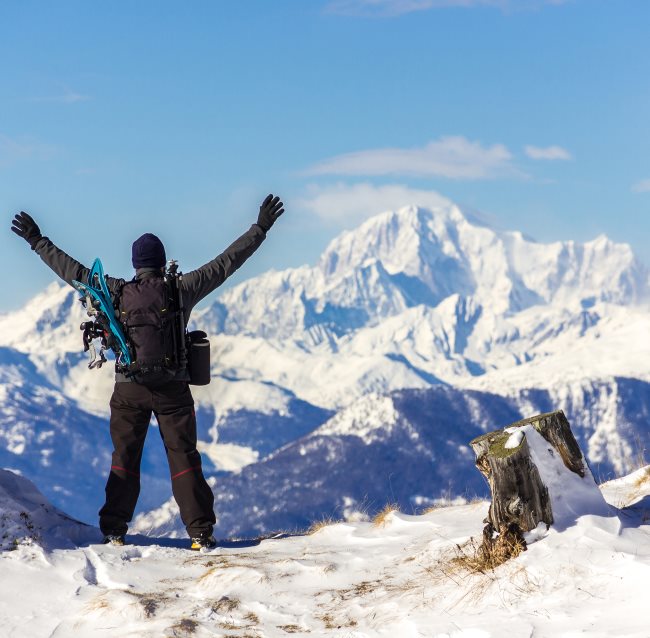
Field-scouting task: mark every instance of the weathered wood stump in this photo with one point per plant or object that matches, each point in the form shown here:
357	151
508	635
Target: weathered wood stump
520	499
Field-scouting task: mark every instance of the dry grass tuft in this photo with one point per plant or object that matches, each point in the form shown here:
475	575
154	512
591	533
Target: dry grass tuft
359	589
328	621
214	565
438	505
492	552
184	627
365	587
97	603
225	605
644	478
316	526
331	623
252	618
432	508
150	604
380	519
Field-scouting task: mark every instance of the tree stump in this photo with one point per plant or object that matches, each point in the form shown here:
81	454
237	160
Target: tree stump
520	499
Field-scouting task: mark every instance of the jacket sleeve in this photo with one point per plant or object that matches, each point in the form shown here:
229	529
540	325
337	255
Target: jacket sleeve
199	283
66	267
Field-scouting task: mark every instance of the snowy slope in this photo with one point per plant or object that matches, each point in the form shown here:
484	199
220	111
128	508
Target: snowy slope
411	448
349	579
27	518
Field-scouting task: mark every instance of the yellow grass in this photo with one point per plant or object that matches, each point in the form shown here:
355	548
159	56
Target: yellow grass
490	554
644	478
318	525
381	518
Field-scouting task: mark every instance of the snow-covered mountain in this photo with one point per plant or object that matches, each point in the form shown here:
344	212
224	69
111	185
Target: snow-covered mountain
419	257
409	298
415	298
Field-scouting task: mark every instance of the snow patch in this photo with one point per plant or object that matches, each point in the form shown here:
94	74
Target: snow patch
515	438
371	417
228	457
572	496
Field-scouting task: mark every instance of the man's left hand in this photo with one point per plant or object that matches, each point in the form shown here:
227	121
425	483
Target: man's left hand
270	210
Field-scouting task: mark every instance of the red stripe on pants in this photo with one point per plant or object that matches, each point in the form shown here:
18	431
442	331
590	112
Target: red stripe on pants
192	469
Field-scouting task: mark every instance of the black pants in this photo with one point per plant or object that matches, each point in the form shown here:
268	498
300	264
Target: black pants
131	407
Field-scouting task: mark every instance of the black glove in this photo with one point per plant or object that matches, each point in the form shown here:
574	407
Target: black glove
24	226
270	210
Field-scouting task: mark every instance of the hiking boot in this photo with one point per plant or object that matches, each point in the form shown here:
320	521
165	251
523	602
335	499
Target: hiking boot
114	539
203	543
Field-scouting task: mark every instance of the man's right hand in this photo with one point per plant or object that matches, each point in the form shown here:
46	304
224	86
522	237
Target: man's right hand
24	226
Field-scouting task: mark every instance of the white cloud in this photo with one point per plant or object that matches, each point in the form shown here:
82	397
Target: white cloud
547	153
642	187
348	204
391	8
13	150
69	97
452	157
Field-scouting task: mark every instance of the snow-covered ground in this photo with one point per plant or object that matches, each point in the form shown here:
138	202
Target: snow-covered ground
395	579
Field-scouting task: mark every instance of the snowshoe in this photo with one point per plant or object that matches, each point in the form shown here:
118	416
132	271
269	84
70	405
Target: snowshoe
96	297
204	543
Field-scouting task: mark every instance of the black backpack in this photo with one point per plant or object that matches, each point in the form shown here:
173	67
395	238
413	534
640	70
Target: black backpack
150	318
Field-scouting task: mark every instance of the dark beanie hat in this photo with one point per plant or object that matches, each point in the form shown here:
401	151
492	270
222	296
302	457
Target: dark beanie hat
148	252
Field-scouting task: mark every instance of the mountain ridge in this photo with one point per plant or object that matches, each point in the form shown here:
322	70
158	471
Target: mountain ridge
412	299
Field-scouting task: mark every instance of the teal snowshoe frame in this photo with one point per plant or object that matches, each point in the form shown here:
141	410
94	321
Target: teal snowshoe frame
97	299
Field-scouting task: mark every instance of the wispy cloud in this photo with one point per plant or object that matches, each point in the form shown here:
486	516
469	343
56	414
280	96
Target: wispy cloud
16	149
547	153
69	97
642	187
451	157
392	8
346	205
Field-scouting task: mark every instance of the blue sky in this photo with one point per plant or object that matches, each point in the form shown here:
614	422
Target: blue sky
179	117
